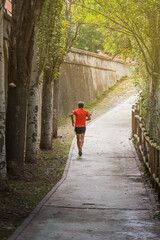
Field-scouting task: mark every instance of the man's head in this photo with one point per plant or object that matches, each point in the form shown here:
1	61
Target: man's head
80	104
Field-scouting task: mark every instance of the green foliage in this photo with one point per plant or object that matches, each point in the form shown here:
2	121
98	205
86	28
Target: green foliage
90	39
57	28
126	22
120	27
132	29
51	35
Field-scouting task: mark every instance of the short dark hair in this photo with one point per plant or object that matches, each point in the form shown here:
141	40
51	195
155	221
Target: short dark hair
80	104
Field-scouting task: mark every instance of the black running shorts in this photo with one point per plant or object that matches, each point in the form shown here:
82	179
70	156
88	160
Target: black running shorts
80	129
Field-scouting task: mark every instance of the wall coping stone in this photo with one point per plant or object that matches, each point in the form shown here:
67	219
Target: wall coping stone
80	51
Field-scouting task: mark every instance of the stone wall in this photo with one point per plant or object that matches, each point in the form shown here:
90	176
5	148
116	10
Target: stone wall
84	76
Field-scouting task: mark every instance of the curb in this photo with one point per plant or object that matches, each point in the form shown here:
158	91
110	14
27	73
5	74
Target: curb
26	222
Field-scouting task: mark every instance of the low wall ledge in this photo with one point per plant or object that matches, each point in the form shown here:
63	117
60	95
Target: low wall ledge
75	50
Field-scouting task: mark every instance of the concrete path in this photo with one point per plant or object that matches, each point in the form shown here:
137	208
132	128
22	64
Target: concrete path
103	196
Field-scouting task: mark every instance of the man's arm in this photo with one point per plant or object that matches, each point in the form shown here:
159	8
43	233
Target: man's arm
88	117
72	118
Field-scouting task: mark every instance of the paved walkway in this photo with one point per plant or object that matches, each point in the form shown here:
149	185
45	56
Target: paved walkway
103	196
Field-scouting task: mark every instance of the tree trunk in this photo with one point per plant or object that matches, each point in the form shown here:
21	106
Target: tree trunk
16	122
3	172
32	115
19	78
55	108
47	109
154	118
24	16
154	123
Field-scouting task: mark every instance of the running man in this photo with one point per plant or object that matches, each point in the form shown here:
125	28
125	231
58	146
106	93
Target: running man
81	116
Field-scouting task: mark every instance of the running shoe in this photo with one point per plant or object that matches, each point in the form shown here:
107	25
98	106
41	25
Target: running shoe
80	151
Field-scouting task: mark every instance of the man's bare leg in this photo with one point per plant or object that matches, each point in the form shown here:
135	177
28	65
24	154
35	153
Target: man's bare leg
79	144
78	140
82	139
